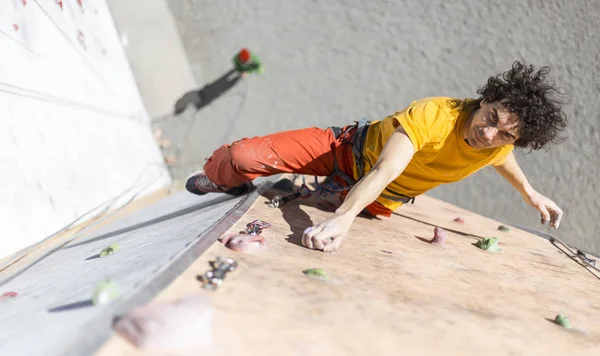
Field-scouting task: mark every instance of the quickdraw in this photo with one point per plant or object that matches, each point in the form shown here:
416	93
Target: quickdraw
256	227
323	190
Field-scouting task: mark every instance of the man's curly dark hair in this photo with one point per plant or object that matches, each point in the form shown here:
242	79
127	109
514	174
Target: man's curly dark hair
524	92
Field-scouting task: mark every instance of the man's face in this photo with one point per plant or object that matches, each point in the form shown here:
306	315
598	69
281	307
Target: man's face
491	126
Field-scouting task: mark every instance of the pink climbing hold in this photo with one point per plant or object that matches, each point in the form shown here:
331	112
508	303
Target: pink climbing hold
8	295
81	38
60	3
244	242
182	326
439	237
459	220
24	2
15	27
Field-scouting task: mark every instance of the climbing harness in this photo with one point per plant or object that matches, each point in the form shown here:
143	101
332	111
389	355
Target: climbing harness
330	187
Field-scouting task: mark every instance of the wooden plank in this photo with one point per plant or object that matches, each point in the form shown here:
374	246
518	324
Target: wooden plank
390	292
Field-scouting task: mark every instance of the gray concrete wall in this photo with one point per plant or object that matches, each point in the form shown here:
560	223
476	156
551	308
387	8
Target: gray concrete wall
156	56
333	62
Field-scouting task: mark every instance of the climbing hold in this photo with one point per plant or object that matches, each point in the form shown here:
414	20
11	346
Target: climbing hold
459	220
170	328
81	39
439	237
316	273
60	3
489	244
15	27
504	228
563	321
246	62
8	295
112	248
105	292
244	242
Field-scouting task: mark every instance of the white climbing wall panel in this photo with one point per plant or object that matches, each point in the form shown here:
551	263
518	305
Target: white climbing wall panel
73	129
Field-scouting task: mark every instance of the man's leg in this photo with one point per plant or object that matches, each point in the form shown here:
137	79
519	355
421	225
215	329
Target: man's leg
308	151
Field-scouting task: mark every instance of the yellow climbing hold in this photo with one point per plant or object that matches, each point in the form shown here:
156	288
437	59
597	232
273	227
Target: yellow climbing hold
316	273
105	292
109	250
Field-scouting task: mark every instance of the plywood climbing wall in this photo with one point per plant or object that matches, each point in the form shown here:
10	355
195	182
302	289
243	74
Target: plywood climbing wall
390	292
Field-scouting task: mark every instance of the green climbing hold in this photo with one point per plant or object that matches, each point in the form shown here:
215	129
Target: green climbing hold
105	292
504	228
109	250
316	273
489	244
563	321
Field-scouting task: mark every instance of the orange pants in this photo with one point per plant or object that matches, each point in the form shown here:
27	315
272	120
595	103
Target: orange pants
309	151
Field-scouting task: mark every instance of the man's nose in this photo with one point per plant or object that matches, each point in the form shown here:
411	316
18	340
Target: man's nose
489	133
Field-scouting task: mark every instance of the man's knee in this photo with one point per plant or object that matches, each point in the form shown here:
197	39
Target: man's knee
241	157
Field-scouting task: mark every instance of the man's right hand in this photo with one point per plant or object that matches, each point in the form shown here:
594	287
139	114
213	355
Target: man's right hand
329	234
396	154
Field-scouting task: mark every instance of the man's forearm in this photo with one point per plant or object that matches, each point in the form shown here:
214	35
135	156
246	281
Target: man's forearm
394	158
365	192
511	171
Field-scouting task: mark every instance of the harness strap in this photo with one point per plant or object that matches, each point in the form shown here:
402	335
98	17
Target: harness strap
357	143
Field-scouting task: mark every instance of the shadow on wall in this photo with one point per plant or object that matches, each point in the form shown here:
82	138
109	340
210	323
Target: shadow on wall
211	91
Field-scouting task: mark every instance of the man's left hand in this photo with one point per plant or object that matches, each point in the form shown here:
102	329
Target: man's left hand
547	208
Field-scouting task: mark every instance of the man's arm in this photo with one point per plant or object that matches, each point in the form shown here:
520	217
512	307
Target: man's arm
511	171
395	156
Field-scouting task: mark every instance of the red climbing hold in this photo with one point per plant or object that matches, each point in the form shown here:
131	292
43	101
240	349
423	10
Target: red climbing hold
15	27
8	295
460	220
60	3
244	55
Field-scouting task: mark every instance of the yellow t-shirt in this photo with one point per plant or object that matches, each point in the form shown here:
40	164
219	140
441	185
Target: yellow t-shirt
441	154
